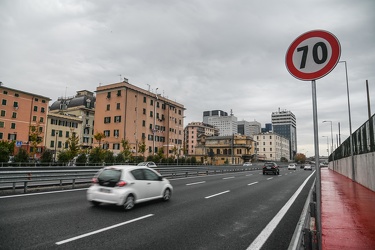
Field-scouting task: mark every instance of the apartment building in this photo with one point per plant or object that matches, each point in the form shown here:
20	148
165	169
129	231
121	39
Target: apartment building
78	109
193	131
60	127
19	112
271	147
125	111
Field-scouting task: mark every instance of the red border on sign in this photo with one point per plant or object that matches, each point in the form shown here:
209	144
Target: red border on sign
336	51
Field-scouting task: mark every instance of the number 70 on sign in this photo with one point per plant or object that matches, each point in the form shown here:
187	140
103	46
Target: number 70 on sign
313	55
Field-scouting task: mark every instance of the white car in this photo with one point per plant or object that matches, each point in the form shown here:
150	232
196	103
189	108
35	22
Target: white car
128	185
149	164
247	164
292	166
307	167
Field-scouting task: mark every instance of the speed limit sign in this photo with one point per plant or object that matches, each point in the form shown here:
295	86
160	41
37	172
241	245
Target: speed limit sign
313	55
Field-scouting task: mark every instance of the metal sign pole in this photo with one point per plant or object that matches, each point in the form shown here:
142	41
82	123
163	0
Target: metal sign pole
317	165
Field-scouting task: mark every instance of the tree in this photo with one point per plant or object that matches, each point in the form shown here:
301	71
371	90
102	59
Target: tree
300	158
142	147
126	149
21	156
81	159
96	155
99	136
73	145
46	156
34	136
63	157
6	150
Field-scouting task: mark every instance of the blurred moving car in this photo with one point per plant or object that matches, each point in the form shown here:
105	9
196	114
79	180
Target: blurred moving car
149	164
247	164
307	167
292	166
128	185
271	167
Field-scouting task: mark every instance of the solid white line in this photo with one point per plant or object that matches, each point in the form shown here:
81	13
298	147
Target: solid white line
226	178
269	178
252	183
263	236
195	183
216	194
102	230
50	192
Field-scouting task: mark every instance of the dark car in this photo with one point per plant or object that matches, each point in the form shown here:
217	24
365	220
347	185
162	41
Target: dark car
271	167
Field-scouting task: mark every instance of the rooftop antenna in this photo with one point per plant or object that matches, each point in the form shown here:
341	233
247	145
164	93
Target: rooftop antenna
120	77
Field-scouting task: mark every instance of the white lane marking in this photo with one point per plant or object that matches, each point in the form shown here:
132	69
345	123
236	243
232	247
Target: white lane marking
217	194
267	231
102	230
51	192
252	183
269	178
226	178
195	183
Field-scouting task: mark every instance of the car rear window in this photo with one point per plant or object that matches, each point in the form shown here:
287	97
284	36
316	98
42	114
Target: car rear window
109	177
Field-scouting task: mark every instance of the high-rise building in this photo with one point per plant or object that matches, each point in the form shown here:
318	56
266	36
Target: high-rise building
227	125
126	112
284	124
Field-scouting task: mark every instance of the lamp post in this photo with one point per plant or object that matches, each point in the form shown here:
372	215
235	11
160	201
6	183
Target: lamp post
327	145
331	135
350	119
54	158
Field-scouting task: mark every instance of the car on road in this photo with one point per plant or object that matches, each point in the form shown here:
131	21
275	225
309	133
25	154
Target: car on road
307	167
292	166
149	164
127	185
271	167
247	164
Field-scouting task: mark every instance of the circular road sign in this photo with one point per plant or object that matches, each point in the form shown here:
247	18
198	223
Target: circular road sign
313	55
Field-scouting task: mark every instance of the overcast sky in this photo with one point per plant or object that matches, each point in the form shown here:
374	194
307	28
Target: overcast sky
204	54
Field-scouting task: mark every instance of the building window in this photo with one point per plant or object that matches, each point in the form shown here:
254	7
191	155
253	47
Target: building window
117	118
144	99
4	102
41	119
107	119
107	133
1	136
67	134
118	92
116	132
109	95
36	99
116	146
15	104
13	125
1	124
108	107
42	110
2	113
43	101
118	106
14	115
59	144
35	108
143	123
151	114
152	102
16	95
34	118
144	111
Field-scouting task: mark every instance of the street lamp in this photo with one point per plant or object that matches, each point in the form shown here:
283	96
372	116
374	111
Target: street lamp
327	144
350	119
331	135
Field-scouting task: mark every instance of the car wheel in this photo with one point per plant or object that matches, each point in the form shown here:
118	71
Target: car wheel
95	203
129	202
167	195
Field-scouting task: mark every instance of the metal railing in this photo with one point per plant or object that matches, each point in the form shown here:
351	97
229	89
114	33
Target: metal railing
25	178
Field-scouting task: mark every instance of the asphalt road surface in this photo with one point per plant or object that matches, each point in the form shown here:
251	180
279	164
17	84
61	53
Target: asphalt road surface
244	210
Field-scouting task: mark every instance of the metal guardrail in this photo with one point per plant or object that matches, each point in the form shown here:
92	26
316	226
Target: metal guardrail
25	178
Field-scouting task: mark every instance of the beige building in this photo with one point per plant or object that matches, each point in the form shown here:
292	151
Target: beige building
195	130
271	147
219	150
124	111
79	109
60	127
19	111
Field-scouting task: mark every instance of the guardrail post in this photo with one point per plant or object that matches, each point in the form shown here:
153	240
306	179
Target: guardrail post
14	187
60	183
25	187
74	183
